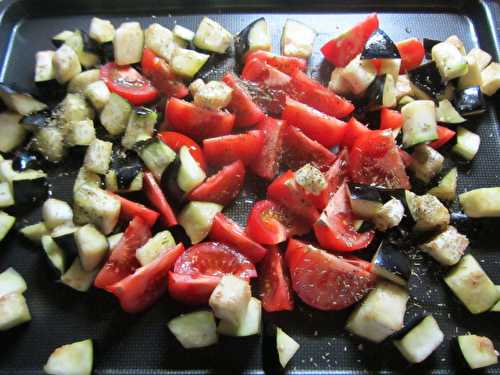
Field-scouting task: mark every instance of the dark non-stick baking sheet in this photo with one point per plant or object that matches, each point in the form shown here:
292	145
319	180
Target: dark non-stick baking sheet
141	344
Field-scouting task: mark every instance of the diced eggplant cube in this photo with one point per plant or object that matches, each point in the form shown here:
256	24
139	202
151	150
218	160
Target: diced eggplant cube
6	196
467	144
74	107
420	123
13	311
78	278
484	202
80	82
71	359
158	38
286	347
426	163
230	299
381	313
44	67
421	341
213	95
35	232
66	64
389	215
194	330
447	247
80	133
403	87
311	179
360	74
56	212
98	156
197	217
297	39
102	31
13	133
148	252
250	324
338	83
115	114
157	156
186	63
450	62
85	177
140	127
490	78
447	187
128	43
20	102
98	94
111	181
11	282
212	36
190	173
428	212
49	141
478	351
113	240
482	58
183	33
472	285
92	246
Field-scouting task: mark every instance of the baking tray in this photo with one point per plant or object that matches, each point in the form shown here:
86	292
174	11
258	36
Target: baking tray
141	344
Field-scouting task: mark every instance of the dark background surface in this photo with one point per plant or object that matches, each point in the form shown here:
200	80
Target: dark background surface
141	344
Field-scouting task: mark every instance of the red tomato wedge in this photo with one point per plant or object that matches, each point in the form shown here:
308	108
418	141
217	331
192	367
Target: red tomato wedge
268	162
306	90
326	281
322	128
285	191
286	64
412	53
176	140
406	158
223	187
158	200
198	270
354	130
299	150
390	119
196	122
130	209
147	284
374	159
335	228
229	148
162	76
227	231
342	49
128	83
338	172
275	289
260	72
122	261
246	112
444	136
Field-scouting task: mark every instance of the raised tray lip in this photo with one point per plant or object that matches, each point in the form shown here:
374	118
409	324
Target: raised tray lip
20	9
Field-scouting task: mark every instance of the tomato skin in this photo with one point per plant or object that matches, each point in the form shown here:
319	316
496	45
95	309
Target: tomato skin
267	164
223	187
374	159
130	209
227	231
246	112
285	191
158	200
275	289
309	91
227	149
176	140
199	269
286	64
260	72
338	172
196	122
335	230
162	76
140	290
122	261
322	128
128	83
342	49
263	225
354	130
412	53
299	150
390	119
444	136
326	281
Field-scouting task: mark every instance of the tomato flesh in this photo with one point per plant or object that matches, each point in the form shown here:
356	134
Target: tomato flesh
158	200
390	119
354	130
444	136
286	64
176	140
162	76
128	83
326	281
122	261
230	148
341	50
227	231
221	188
412	53
374	159
266	165
191	289
264	225
246	112
275	289
196	122
335	228
130	209
147	284
322	128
